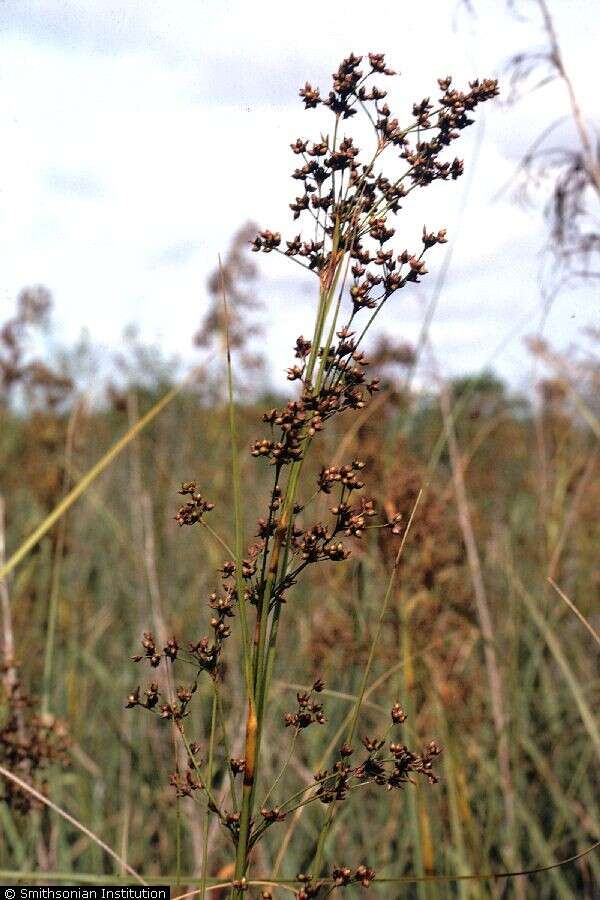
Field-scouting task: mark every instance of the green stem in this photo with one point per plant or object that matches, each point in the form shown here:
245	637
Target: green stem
209	774
283	769
264	657
226	742
237	504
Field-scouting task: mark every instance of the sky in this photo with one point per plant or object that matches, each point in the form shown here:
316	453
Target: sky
138	136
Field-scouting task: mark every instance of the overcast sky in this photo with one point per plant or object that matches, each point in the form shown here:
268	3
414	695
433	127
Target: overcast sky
137	136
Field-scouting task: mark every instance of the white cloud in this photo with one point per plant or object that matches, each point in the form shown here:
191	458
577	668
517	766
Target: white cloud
138	136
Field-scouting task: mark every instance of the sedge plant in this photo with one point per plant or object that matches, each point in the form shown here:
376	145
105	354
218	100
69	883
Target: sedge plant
348	202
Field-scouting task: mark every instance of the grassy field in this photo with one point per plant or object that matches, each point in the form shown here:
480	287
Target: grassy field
116	564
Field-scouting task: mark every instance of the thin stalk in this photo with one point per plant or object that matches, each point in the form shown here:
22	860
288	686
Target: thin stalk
178	841
237	504
209	774
265	649
286	521
56	572
283	769
408	681
226	743
251	722
286	526
217	537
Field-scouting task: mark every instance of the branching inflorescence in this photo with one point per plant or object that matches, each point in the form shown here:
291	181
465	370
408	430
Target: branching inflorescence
349	204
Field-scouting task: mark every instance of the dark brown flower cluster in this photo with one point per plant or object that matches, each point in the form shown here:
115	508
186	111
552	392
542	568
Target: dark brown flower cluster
318	542
195	507
388	765
272	814
350	201
169	710
29	744
186	785
309	710
344	386
150	699
314	543
341	876
153	653
204	653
